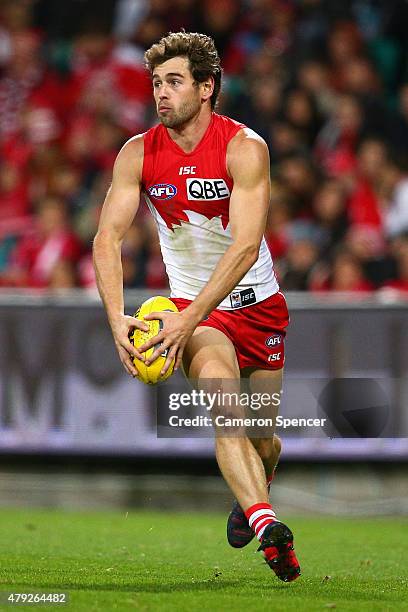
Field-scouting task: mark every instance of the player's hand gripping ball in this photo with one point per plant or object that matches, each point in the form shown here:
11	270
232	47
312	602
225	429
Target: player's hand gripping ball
151	374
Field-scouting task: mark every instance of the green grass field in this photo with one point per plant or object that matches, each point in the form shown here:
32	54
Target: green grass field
159	561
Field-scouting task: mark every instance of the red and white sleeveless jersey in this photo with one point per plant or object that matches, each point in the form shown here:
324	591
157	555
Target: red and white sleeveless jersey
188	195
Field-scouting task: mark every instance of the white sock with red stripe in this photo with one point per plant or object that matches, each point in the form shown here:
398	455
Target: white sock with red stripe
259	516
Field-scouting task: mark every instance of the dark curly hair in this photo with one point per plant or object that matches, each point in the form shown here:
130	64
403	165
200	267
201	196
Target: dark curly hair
200	51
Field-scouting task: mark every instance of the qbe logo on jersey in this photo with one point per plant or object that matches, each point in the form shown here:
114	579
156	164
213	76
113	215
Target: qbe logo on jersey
207	189
162	191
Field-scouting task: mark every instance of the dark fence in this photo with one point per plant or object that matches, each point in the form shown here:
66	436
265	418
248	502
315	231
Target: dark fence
63	389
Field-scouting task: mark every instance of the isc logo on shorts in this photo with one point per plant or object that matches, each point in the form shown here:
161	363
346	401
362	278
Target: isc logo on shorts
207	189
162	191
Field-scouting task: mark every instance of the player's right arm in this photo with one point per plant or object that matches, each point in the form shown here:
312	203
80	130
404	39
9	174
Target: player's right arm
119	209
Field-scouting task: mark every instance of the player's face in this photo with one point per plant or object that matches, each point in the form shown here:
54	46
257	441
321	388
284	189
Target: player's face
177	96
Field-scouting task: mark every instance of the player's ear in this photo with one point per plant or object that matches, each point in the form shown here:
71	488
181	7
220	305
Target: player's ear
207	88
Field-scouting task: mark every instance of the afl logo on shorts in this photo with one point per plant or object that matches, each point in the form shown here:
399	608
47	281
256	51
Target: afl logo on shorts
274	340
162	191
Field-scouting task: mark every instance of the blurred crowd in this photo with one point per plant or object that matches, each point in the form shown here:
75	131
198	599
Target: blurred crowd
325	82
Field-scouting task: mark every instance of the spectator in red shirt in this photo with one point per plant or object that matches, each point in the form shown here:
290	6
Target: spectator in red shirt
26	81
346	274
329	207
13	193
51	241
400	283
364	205
336	143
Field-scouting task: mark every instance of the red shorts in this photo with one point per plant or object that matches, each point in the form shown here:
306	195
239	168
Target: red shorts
257	332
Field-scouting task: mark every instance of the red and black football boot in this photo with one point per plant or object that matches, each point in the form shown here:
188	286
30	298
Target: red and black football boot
277	547
239	533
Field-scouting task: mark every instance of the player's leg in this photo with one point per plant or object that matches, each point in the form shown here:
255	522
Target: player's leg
210	358
277	539
269	450
210	355
239	533
268	447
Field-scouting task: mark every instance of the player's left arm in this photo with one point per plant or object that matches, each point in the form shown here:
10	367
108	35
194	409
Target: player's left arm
248	165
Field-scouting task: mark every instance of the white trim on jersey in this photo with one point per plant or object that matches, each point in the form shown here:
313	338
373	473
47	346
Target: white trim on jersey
192	250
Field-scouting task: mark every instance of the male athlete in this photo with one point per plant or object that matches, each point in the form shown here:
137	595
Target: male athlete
206	181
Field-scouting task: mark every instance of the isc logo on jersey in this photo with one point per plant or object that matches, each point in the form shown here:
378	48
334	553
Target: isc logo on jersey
162	191
207	189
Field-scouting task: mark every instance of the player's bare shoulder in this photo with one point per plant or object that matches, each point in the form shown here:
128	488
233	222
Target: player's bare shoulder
129	161
247	151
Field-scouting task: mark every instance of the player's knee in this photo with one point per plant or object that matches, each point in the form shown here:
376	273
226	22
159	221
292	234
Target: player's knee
277	442
264	447
267	447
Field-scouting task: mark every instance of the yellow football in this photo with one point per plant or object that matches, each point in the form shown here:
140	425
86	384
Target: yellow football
151	374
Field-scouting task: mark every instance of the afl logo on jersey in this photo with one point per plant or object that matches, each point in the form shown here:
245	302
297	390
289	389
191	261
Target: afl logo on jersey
162	191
